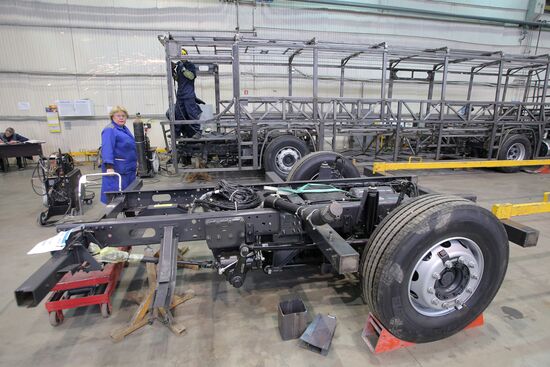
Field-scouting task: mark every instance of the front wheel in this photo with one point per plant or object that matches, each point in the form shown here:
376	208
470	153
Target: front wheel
432	266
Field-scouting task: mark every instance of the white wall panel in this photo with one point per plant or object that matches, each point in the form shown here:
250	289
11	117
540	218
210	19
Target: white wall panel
36	49
109	52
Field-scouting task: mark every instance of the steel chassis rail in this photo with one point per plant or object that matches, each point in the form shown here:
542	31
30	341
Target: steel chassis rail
165	217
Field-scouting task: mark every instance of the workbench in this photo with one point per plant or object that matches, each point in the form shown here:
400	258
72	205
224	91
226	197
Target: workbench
19	150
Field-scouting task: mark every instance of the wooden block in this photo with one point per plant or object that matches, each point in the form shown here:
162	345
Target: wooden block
176	328
178	300
120	334
143	308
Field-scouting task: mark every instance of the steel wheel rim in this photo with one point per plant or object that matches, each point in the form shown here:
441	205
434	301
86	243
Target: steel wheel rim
516	152
445	277
286	158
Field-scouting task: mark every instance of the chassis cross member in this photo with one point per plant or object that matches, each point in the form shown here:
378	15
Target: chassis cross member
429	264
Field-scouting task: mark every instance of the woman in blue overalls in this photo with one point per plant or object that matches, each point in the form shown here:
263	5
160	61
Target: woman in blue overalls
118	152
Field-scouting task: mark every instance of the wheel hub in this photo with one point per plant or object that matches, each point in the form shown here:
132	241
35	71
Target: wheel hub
452	282
286	158
516	152
446	276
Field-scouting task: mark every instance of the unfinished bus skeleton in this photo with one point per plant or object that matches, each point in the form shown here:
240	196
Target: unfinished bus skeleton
483	104
429	264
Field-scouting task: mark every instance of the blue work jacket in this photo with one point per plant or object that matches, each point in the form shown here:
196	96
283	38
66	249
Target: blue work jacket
16	137
186	86
118	148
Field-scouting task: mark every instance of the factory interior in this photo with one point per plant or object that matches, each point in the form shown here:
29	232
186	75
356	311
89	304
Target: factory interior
275	183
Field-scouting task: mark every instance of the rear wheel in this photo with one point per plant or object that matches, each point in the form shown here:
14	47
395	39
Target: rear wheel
515	148
308	168
282	153
432	266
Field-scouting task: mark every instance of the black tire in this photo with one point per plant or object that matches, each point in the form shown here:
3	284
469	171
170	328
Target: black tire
505	152
308	167
43	218
544	148
105	310
54	318
282	153
400	243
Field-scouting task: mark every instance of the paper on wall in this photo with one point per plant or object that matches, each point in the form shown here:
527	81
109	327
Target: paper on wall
23	106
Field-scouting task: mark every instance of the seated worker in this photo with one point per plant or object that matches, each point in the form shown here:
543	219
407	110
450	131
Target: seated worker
118	153
10	137
186	107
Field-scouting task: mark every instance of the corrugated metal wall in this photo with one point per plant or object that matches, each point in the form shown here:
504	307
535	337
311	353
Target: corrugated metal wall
107	51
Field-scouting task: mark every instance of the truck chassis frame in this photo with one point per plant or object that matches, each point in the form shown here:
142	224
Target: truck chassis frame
331	227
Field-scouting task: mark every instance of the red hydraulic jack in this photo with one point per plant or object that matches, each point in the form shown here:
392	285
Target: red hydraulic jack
83	289
543	170
379	340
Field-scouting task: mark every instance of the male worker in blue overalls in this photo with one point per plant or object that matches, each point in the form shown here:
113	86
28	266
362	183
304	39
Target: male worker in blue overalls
118	153
187	108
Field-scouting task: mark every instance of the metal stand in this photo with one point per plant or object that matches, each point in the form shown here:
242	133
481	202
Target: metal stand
160	299
379	340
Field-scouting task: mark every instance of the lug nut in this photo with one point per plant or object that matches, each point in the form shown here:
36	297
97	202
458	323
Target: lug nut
430	290
471	264
444	305
461	260
474	276
469	290
457	302
435	301
448	264
436	276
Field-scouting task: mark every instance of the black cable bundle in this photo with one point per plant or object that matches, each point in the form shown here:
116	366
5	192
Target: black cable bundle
405	187
230	196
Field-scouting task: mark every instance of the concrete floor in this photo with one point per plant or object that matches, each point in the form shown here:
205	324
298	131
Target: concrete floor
238	327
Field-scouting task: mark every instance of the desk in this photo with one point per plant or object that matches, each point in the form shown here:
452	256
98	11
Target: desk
19	150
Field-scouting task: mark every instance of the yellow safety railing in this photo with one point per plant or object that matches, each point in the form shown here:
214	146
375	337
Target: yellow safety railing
381	167
507	210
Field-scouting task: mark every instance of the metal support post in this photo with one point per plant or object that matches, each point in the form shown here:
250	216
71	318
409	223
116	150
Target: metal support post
496	113
542	115
383	85
398	131
442	105
319	122
237	97
171	109
166	271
